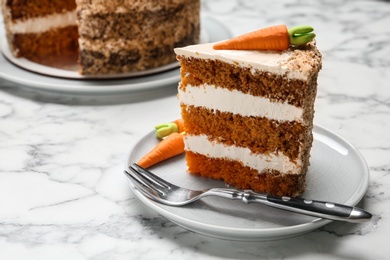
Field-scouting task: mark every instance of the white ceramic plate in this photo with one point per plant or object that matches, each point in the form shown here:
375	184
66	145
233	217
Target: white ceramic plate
44	81
338	173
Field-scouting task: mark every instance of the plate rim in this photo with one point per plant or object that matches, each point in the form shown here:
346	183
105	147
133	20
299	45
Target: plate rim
248	234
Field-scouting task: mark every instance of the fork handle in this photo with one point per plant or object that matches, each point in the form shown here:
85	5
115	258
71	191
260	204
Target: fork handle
315	208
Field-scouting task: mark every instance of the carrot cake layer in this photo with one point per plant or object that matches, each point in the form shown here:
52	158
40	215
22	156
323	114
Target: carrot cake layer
234	173
49	47
23	10
243	79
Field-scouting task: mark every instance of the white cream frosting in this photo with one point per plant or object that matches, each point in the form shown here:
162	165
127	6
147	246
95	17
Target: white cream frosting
200	144
45	23
237	102
269	61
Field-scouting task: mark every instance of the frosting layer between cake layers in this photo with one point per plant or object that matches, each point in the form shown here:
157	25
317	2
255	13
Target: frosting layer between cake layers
202	145
43	23
217	98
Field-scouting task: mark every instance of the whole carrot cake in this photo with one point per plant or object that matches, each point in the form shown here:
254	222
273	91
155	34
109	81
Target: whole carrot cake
106	37
248	115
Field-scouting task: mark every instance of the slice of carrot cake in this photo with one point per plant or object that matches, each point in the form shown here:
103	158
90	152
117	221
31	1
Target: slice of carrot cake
248	115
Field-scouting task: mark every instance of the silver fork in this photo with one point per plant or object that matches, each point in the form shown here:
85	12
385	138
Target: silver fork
159	190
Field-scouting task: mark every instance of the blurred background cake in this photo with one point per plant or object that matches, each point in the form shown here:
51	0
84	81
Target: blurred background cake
105	37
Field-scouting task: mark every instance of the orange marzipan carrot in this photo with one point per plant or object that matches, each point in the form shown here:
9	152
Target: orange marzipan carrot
180	124
269	38
170	146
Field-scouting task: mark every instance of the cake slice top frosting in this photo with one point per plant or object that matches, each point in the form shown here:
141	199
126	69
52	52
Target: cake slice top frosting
294	63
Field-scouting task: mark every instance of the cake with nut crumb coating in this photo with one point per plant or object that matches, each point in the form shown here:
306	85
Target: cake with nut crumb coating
104	37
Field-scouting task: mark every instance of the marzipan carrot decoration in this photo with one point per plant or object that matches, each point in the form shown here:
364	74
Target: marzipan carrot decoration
277	38
166	129
170	146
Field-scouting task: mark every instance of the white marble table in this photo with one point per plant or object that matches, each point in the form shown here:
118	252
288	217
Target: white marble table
63	194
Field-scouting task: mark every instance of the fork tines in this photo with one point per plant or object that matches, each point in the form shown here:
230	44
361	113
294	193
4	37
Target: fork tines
146	182
149	176
138	184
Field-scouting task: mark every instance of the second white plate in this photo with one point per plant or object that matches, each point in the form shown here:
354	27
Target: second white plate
338	173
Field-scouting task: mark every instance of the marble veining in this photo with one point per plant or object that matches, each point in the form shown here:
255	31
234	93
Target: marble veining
63	194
